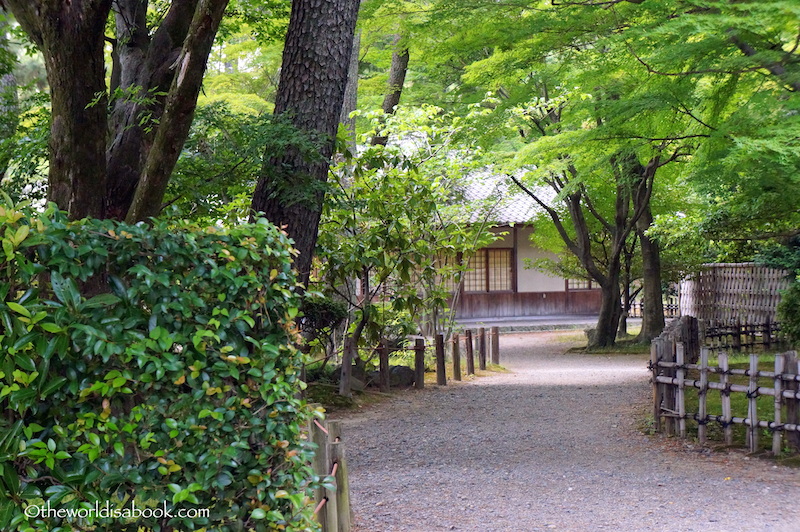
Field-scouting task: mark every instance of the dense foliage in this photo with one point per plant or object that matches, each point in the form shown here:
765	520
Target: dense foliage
149	366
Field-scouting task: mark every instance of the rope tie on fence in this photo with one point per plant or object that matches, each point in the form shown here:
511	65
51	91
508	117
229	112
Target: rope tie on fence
774	427
753	394
319	425
320	505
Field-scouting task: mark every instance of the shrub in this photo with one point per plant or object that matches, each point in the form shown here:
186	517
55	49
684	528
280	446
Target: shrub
149	364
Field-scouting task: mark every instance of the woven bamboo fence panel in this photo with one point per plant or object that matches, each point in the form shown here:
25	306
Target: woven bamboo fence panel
744	292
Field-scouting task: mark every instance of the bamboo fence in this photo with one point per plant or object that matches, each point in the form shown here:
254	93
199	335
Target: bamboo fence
743	292
672	376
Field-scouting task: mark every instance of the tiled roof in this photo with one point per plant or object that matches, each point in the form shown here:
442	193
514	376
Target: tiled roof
497	198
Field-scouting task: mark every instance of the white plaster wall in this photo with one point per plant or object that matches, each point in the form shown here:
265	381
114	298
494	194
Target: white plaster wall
531	280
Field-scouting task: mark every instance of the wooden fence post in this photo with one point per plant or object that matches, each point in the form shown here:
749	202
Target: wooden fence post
419	363
792	412
496	345
441	375
777	435
456	357
336	453
681	376
702	413
670	394
482	348
383	366
470	354
767	334
320	467
725	398
654	360
752	405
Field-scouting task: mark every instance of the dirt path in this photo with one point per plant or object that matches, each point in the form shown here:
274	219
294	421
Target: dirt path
546	448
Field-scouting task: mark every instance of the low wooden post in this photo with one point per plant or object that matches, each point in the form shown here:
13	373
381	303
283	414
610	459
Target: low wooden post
383	365
792	410
441	375
752	405
470	354
419	363
482	348
456	357
725	398
496	345
336	454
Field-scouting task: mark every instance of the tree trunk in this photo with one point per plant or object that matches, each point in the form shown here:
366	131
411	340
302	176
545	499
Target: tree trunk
9	109
178	111
653	311
605	333
70	35
316	58
350	102
397	78
141	78
91	173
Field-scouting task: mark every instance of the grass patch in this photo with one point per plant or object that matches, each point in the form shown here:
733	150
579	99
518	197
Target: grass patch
622	347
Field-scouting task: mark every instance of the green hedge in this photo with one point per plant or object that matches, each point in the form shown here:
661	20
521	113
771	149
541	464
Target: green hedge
174	380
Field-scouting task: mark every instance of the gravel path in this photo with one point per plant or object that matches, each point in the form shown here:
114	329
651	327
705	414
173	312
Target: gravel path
546	447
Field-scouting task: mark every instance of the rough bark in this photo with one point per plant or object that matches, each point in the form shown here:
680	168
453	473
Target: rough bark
176	120
350	102
9	109
91	173
70	37
397	78
652	296
605	333
145	70
316	57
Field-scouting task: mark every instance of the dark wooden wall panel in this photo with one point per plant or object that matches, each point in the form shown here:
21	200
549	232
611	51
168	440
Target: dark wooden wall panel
509	305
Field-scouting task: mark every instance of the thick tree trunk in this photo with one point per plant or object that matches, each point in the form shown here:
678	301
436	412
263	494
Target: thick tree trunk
143	74
653	312
605	333
70	36
316	58
146	70
397	78
158	76
178	111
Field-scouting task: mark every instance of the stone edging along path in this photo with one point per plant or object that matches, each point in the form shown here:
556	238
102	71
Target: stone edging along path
555	444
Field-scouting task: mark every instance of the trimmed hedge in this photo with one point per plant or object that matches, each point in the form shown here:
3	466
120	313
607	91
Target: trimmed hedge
144	364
